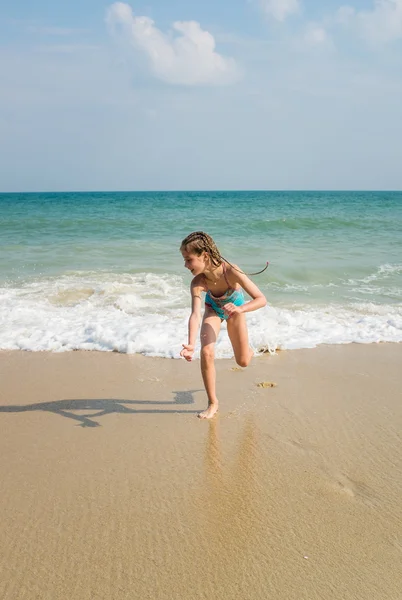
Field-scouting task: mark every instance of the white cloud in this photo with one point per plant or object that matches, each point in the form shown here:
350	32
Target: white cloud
189	58
280	9
381	24
384	22
345	15
316	35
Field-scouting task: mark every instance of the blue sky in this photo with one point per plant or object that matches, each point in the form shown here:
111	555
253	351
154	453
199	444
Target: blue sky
246	94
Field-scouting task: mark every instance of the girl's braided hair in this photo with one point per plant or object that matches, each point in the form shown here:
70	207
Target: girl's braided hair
199	242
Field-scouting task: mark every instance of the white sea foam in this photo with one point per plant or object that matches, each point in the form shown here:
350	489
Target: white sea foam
147	313
383	272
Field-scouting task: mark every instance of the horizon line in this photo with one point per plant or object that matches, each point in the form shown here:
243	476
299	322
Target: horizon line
203	191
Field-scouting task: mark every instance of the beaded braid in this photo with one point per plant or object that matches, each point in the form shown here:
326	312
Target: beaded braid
199	242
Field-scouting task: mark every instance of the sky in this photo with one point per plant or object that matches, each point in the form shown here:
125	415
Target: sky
200	95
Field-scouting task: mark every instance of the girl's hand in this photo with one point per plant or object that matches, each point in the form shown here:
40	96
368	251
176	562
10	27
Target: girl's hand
231	309
187	352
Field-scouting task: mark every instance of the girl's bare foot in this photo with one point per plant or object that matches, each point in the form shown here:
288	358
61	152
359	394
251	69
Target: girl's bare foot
209	412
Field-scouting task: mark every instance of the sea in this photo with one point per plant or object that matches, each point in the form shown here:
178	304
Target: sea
103	271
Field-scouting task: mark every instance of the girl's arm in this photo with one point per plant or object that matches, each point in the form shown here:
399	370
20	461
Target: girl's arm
193	322
258	298
195	317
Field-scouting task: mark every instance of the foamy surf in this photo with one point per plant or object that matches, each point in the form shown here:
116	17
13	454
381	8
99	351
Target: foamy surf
148	313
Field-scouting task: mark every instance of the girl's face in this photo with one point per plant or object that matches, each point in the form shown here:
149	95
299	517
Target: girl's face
195	264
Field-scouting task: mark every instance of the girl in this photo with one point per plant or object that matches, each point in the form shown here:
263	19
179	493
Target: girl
224	300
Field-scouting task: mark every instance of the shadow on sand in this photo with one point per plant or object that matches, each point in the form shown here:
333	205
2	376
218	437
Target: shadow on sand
105	406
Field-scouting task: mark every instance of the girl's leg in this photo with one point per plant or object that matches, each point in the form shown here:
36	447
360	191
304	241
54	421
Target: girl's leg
238	335
210	328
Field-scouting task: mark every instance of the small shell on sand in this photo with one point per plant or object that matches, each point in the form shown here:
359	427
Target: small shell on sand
266	384
270	351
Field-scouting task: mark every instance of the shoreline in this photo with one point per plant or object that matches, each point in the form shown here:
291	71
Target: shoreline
112	488
257	353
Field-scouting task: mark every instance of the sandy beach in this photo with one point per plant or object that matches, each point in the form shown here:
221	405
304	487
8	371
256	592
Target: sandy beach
112	489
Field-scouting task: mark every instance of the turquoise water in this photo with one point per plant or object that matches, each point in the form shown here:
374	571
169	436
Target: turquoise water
103	270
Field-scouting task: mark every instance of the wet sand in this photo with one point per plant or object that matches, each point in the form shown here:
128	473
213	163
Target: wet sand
112	489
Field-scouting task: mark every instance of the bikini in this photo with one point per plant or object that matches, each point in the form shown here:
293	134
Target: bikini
231	295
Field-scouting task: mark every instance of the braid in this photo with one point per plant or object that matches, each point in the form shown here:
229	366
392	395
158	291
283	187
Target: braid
249	274
199	242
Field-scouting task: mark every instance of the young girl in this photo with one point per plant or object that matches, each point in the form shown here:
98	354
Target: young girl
224	300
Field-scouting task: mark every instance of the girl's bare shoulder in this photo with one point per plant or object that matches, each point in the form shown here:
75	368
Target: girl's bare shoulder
234	272
199	283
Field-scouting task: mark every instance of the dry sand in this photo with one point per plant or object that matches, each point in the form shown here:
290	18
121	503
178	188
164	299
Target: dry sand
112	489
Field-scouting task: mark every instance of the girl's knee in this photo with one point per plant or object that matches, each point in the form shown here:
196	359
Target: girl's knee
243	361
208	353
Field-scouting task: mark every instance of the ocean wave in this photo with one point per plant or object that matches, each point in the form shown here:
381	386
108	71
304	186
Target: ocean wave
148	313
313	223
382	272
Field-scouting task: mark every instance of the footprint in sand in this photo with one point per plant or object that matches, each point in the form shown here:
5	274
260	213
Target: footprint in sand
266	384
354	489
304	446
